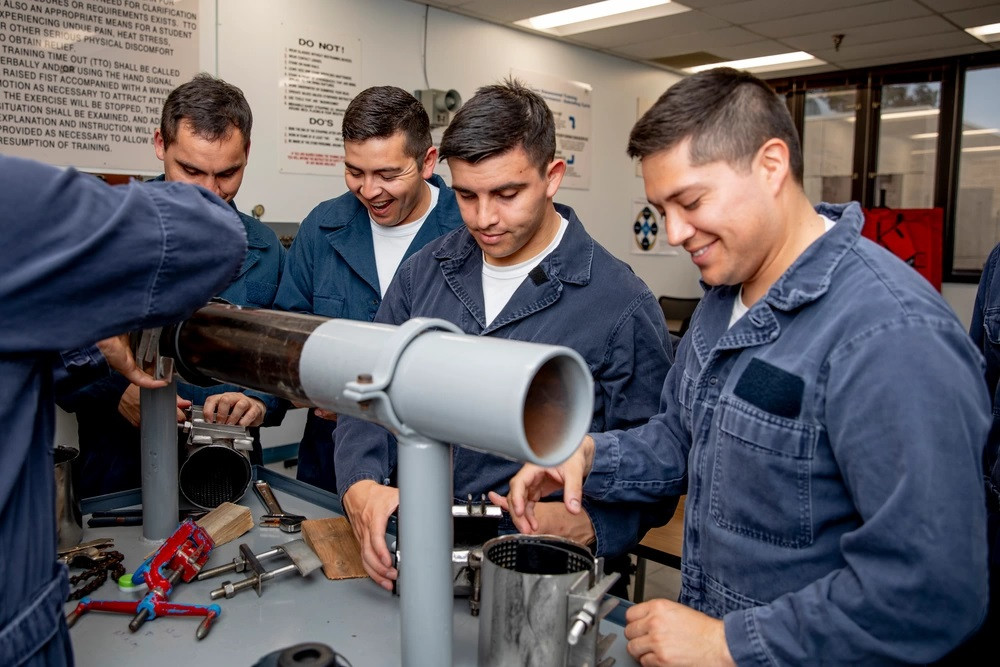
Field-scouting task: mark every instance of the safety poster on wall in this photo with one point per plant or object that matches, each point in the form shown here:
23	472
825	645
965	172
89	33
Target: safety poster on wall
82	83
570	105
320	75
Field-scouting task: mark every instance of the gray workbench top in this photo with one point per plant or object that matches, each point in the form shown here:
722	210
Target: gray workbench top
354	617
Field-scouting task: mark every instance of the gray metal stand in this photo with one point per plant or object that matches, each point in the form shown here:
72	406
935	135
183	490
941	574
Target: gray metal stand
425	533
160	503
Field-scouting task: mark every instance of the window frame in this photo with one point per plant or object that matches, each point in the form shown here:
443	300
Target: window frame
950	72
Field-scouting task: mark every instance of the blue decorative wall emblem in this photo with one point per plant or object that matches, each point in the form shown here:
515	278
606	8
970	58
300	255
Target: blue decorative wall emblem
646	228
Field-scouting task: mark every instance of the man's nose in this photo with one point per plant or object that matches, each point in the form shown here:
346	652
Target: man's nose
678	230
369	189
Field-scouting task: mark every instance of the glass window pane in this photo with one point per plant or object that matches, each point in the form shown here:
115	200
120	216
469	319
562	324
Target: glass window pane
977	220
907	145
828	144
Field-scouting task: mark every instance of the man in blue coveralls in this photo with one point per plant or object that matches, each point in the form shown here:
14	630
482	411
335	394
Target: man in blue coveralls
347	249
521	268
82	261
203	139
826	415
985	331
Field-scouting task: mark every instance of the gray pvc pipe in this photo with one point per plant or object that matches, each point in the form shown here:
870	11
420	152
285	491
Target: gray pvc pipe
425	541
526	401
158	434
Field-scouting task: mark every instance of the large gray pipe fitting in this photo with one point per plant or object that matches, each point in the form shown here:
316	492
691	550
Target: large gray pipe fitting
427	383
524	401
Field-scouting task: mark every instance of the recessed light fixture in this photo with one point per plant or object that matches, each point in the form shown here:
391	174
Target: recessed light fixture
773	63
598	15
985	33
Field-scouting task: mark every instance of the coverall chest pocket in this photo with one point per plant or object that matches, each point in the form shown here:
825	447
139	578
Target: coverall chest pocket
260	294
760	478
328	306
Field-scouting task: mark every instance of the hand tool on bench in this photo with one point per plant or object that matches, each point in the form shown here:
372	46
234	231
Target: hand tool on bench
276	517
181	557
304	560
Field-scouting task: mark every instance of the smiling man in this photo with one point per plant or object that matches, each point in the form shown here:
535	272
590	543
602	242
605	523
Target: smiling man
347	249
522	268
203	139
826	416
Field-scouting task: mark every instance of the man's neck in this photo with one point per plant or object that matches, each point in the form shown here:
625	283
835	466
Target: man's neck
802	226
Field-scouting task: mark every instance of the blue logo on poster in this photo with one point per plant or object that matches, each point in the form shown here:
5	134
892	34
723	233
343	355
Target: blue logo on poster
646	228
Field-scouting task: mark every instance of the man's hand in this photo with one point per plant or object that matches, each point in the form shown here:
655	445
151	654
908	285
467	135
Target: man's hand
369	506
118	353
326	414
532	483
128	406
234	408
554	519
661	632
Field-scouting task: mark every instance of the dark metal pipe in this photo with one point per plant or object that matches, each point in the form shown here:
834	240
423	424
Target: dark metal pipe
254	348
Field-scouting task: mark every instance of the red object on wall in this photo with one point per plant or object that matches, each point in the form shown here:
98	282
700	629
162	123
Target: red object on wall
912	234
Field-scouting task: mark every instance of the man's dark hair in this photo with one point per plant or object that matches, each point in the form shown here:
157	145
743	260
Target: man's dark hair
212	107
728	115
381	111
498	119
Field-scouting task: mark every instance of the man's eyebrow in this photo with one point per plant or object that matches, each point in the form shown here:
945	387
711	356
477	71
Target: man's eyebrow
512	185
191	167
380	170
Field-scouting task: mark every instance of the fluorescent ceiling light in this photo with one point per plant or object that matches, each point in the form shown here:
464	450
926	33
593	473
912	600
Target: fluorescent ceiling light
892	115
598	15
765	63
895	115
933	135
985	33
980	149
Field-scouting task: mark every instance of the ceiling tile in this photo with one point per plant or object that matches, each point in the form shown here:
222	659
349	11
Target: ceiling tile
696	41
956	5
755	11
974	17
677	24
758	49
840	19
925	25
874	61
913	48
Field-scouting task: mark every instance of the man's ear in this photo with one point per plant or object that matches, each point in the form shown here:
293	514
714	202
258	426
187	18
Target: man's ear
554	175
427	166
158	144
773	162
247	153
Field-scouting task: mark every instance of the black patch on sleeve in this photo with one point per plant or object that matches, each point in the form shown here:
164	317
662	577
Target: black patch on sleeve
538	276
771	389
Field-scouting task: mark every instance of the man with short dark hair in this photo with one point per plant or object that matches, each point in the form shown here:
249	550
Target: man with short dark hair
347	249
521	268
826	415
203	139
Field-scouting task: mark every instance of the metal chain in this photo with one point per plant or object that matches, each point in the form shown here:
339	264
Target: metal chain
110	562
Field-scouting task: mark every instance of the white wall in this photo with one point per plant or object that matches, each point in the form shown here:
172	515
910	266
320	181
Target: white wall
462	54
